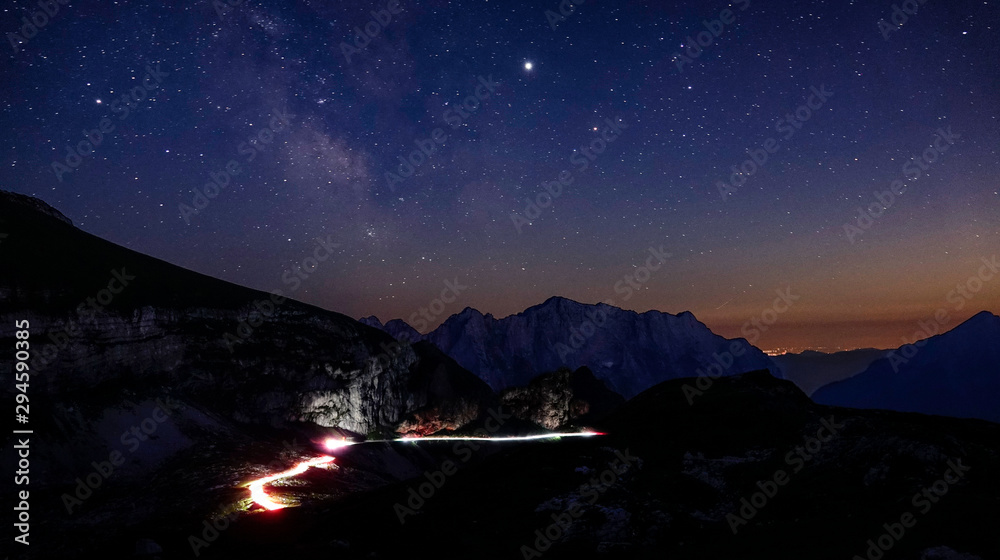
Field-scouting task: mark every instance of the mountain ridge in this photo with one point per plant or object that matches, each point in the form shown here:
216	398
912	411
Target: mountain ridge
629	350
954	373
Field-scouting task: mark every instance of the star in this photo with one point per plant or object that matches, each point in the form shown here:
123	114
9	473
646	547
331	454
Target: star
528	66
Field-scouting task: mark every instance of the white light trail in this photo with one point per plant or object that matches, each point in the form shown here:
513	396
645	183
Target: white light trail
334	444
260	496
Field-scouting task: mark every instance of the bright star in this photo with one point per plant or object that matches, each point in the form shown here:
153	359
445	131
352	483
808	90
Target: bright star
528	65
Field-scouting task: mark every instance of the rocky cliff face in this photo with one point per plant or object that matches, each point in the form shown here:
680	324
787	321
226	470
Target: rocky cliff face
562	399
630	351
108	325
951	374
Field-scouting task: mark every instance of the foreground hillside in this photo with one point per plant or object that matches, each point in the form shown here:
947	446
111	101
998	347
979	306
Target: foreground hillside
753	469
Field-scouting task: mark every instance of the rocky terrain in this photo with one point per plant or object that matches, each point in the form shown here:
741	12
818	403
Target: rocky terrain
752	470
562	399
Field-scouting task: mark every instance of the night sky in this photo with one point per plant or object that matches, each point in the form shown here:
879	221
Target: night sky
625	79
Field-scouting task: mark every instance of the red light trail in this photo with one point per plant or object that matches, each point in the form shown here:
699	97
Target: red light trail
259	495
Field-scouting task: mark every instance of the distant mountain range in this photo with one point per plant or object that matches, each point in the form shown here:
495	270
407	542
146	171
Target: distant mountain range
956	373
630	351
811	370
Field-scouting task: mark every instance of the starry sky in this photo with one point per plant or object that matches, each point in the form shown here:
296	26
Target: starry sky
640	115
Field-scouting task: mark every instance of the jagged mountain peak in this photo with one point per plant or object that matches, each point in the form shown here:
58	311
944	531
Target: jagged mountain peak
560	303
401	330
372	321
630	351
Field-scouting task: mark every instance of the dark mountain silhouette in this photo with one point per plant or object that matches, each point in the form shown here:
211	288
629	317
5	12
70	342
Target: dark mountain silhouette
956	373
398	328
627	350
110	326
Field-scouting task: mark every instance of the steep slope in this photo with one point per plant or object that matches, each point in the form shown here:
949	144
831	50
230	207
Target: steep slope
455	397
628	350
956	373
111	328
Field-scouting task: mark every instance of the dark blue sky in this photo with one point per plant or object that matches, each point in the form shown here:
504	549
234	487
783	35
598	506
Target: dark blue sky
203	84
